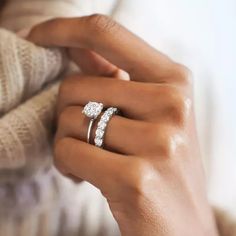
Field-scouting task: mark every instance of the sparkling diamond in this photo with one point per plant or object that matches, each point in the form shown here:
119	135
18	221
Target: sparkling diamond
109	112
105	117
99	133
115	110
102	125
93	109
98	142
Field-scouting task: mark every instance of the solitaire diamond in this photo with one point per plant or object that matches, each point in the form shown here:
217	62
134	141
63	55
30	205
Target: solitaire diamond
93	109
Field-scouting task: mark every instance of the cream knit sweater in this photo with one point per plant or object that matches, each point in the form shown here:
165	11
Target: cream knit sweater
35	200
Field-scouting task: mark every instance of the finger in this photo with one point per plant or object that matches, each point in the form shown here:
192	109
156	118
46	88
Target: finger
138	101
91	63
95	165
122	135
113	42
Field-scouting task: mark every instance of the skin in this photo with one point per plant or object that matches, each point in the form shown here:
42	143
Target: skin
150	170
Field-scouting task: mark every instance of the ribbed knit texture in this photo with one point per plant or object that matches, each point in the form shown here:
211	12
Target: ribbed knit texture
24	70
35	200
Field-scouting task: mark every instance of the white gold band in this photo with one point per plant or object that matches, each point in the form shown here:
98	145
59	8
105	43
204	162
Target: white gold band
102	124
90	129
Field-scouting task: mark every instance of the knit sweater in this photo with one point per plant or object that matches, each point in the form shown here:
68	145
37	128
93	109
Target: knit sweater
35	200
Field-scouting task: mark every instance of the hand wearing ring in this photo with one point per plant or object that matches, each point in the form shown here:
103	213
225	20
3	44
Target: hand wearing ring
150	169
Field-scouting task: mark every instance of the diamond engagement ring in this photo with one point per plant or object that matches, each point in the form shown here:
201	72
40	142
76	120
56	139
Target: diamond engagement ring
102	124
92	110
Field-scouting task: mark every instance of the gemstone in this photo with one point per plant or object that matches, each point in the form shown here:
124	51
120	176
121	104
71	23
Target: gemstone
105	117
102	125
98	142
93	109
99	133
109	112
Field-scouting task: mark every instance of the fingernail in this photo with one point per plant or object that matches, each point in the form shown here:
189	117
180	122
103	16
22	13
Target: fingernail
123	75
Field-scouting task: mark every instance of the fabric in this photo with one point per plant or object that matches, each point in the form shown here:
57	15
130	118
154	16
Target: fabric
35	199
25	123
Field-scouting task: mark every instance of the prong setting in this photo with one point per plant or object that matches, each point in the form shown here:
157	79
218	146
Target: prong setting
92	110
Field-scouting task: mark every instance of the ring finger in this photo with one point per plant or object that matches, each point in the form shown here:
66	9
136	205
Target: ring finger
122	135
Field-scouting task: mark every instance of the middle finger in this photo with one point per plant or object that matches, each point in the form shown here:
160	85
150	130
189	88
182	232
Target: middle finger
138	101
122	135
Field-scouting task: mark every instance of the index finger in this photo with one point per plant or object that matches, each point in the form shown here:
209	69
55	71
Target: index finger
112	41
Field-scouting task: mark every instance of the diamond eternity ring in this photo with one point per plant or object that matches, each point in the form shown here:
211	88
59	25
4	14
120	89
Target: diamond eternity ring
102	124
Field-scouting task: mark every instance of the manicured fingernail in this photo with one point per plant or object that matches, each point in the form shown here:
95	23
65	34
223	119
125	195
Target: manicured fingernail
122	75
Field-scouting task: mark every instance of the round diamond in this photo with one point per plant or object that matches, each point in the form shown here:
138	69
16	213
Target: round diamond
105	117
115	110
102	125
109	112
99	133
98	142
93	109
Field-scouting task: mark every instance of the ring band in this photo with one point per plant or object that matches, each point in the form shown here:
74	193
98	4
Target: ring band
102	124
90	126
92	110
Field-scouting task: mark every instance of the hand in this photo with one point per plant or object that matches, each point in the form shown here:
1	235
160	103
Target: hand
150	170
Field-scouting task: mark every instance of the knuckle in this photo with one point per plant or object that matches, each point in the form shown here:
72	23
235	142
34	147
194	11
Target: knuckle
101	23
170	140
178	106
183	74
139	175
164	146
180	109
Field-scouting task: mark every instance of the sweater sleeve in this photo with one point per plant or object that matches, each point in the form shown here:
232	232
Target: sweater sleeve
25	132
24	69
25	113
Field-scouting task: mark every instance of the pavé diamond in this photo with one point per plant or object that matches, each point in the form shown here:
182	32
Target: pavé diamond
98	142
105	118
99	133
102	125
93	109
109	112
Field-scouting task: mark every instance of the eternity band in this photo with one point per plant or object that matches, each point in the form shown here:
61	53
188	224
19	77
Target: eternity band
102	124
